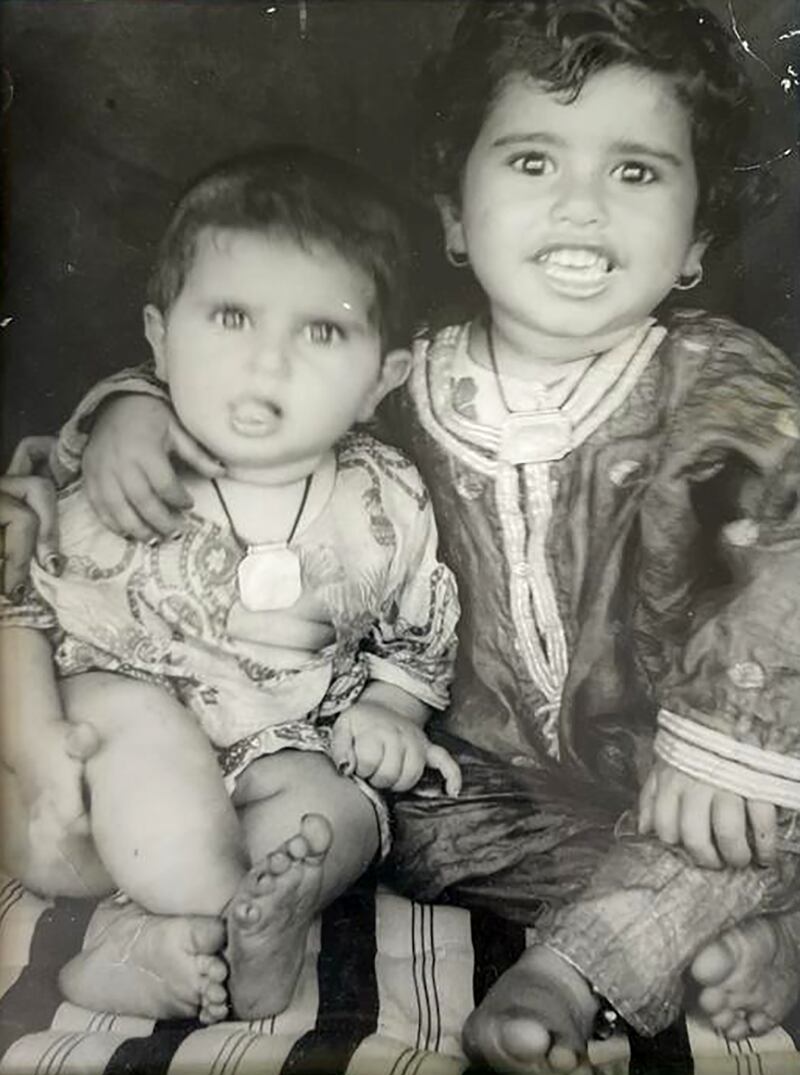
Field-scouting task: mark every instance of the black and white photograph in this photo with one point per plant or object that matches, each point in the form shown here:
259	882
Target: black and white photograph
400	537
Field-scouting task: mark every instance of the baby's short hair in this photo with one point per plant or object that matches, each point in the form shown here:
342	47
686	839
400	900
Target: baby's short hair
309	197
560	44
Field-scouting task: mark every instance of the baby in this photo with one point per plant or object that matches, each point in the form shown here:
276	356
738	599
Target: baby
276	307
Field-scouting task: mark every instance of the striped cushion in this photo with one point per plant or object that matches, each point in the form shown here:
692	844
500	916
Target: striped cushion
384	990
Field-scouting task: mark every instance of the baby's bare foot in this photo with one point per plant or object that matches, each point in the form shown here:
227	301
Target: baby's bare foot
536	1018
269	918
135	963
749	978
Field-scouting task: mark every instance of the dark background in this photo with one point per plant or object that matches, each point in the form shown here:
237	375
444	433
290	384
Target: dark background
111	105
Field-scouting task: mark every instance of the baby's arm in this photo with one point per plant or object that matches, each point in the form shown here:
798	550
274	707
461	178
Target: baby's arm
125	437
411	651
381	739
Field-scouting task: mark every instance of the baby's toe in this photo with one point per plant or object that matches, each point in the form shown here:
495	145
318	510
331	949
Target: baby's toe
278	862
317	832
206	935
247	913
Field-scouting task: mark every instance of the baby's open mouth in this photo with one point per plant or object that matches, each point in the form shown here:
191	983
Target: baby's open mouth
256	416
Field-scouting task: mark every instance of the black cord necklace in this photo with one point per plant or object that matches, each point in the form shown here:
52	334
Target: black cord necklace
528	436
269	573
495	369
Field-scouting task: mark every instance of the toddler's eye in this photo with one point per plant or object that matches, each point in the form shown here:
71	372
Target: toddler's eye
634	172
532	163
323	332
231	317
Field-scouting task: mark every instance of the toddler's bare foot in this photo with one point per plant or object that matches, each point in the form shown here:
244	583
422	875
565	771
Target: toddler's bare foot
135	963
269	918
536	1018
749	978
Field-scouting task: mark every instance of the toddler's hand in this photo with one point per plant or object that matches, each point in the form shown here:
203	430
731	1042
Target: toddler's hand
28	522
388	750
51	783
32	456
714	826
127	466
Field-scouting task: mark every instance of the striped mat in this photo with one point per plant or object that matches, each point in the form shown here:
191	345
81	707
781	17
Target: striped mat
384	990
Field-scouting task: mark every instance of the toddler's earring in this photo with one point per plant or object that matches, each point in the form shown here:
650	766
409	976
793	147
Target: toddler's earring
457	258
686	281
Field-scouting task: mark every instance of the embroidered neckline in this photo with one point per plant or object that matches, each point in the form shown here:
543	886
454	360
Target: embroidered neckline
598	390
522	491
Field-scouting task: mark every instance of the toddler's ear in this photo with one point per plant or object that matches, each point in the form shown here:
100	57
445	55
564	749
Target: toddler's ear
155	331
395	369
693	262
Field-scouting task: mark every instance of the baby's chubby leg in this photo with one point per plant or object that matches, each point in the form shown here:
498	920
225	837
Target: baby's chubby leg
311	833
161	818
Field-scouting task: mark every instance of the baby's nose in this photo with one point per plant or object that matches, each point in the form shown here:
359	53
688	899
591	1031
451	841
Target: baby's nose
269	355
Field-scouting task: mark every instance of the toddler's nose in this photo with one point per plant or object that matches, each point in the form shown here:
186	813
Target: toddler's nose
580	200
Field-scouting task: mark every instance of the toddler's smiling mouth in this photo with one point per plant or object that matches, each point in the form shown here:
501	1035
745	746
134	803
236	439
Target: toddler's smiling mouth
580	271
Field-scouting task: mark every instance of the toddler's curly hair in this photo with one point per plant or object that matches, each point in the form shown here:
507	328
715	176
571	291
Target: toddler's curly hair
560	44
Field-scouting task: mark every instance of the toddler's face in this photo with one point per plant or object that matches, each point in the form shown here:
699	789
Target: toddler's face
579	217
270	351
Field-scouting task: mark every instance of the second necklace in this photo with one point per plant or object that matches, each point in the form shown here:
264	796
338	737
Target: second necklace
529	436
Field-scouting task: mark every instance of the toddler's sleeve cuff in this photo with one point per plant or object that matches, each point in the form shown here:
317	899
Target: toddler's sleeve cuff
727	763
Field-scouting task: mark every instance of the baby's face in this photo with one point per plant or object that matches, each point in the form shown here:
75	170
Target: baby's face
578	217
270	351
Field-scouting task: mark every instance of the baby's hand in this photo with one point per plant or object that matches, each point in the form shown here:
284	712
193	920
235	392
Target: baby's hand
388	750
714	826
51	782
127	465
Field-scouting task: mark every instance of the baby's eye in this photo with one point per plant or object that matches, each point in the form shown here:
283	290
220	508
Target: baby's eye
231	317
634	172
323	332
532	163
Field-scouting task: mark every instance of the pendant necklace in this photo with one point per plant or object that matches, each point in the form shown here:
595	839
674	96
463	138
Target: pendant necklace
529	436
269	574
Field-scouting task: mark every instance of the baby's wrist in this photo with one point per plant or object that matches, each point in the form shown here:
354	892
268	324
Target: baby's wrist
396	700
